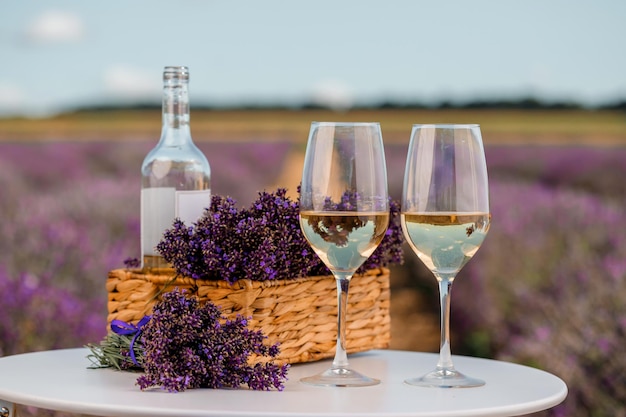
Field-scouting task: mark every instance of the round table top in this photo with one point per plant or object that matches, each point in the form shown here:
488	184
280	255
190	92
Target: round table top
61	380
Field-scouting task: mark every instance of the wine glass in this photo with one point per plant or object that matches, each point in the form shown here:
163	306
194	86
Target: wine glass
445	218
344	214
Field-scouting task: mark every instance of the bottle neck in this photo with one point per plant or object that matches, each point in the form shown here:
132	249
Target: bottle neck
175	111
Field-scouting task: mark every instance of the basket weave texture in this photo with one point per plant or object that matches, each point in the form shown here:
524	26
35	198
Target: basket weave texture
300	314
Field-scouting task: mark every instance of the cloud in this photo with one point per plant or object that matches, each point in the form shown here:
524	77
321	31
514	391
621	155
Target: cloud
55	26
131	83
12	99
332	94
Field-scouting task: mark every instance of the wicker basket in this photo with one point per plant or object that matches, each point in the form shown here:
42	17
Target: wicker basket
301	314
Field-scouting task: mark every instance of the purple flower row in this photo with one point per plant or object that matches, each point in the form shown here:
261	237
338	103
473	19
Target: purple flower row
547	289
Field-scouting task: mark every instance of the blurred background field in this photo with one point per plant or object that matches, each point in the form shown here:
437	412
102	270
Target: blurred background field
538	126
546	289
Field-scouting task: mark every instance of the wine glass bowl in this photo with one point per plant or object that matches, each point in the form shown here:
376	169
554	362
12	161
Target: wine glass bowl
445	218
344	214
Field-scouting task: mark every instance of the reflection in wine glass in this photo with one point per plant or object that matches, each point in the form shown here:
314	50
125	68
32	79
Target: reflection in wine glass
445	218
344	214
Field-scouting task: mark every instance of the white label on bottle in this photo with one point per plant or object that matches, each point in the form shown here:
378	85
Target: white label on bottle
157	215
190	205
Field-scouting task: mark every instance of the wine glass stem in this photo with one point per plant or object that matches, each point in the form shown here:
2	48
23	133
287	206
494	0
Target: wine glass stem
445	354
341	356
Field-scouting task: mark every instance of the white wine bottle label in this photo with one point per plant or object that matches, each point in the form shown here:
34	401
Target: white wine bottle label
157	215
190	205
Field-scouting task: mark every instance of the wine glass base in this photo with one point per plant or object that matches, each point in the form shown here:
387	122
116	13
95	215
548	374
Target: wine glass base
445	378
340	377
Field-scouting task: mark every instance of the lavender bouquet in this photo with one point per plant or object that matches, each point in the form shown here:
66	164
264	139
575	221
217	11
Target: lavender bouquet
262	242
185	345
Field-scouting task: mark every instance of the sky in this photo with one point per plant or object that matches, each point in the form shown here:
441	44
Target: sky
56	56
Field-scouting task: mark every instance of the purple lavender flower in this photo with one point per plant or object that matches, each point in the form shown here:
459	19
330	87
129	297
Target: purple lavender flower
132	263
186	345
262	242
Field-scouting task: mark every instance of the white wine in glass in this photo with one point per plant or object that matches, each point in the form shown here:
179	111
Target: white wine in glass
445	218
344	214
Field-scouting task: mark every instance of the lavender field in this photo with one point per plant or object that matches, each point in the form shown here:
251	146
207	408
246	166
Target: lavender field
547	288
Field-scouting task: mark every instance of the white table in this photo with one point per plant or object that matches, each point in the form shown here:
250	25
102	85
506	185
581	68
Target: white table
60	380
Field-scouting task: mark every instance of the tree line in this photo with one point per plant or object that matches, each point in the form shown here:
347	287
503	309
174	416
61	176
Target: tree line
528	103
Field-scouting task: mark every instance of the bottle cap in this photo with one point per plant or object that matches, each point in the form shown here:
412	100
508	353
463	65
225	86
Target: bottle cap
172	72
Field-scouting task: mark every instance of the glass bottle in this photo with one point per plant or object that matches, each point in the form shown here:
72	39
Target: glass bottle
175	175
